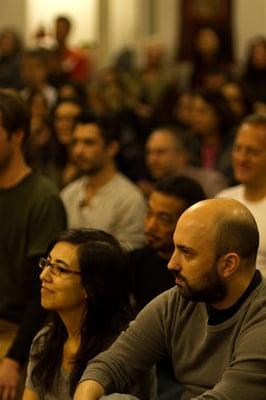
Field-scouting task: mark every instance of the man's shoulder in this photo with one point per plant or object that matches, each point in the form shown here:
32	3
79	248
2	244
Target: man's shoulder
44	183
72	188
125	186
36	184
234	192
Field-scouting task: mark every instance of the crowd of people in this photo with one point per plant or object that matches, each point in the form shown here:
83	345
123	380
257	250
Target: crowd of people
139	195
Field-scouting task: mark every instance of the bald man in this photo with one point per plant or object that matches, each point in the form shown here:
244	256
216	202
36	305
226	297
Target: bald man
212	323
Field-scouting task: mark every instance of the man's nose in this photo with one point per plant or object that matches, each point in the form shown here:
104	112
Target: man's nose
151	222
174	262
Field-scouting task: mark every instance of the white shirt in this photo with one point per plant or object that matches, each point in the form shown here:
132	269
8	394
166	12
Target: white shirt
258	209
118	208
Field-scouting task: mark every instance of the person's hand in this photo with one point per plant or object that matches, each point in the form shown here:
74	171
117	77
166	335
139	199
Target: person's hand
9	378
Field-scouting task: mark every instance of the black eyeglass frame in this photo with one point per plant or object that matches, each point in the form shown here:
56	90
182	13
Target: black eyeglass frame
55	269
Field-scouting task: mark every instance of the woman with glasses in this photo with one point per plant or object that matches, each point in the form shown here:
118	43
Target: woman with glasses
86	285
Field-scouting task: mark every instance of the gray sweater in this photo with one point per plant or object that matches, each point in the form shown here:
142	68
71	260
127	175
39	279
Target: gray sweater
213	362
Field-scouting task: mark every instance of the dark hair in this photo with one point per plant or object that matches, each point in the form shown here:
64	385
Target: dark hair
60	150
239	235
250	68
220	105
244	93
179	134
14	113
65	20
105	277
17	41
182	187
108	124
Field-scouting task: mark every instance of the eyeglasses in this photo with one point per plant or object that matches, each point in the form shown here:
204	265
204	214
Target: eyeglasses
55	269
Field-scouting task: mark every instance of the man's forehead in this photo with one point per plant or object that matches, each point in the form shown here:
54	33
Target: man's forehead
160	137
167	202
67	108
251	131
88	130
196	219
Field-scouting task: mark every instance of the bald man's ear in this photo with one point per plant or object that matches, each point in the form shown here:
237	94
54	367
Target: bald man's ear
228	265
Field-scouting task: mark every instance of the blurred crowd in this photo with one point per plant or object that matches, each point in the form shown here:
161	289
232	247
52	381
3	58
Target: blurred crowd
181	135
59	82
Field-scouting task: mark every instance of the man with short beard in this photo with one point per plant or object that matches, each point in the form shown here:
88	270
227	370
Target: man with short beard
103	198
170	197
212	324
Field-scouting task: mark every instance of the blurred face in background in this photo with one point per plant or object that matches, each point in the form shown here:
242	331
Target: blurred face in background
64	121
249	154
163	156
204	120
33	71
258	55
162	213
207	42
233	94
182	110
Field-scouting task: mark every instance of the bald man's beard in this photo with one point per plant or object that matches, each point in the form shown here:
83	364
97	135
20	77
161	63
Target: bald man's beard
209	289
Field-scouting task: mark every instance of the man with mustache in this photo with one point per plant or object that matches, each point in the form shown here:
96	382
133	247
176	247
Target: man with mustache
102	197
212	324
170	197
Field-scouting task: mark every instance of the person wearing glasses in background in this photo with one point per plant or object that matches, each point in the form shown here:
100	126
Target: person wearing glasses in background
91	305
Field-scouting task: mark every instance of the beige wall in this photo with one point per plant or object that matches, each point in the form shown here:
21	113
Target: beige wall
250	20
13	13
128	22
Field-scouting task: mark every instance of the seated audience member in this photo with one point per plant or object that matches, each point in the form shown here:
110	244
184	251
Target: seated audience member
238	98
10	57
103	198
90	304
64	119
212	324
212	131
31	214
40	144
34	76
254	74
210	52
167	154
169	198
249	165
181	112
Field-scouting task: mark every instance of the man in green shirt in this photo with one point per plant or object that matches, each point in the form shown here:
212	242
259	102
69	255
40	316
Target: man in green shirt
31	215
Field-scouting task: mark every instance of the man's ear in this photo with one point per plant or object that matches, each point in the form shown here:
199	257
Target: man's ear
113	148
18	137
228	264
